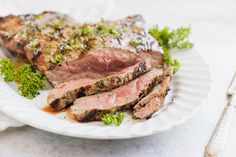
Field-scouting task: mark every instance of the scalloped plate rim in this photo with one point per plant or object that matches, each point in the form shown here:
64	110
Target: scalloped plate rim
128	135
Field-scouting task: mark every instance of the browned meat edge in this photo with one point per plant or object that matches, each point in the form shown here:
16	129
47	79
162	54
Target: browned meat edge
95	86
154	101
96	114
35	37
99	64
12	36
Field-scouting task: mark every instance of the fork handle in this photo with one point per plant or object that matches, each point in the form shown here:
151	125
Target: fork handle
217	142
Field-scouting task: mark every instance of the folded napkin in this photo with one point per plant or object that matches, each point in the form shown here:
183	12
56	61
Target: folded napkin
7	122
81	10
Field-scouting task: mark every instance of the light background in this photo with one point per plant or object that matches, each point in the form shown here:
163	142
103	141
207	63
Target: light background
213	24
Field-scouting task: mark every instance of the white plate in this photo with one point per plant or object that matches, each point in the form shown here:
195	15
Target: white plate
190	88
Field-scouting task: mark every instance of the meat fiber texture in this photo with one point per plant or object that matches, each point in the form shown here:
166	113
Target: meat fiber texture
64	94
92	107
154	101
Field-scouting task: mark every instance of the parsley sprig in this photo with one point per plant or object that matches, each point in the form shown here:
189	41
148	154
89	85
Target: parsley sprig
116	119
169	39
7	70
30	81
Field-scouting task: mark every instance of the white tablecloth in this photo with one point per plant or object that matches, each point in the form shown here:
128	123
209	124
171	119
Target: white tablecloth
213	25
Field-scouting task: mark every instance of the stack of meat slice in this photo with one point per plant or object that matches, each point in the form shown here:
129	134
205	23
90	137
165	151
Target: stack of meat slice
96	68
143	94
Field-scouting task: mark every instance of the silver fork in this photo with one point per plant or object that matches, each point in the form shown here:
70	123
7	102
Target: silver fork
217	142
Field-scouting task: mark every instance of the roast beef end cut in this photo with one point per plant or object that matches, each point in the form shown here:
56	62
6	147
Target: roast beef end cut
154	101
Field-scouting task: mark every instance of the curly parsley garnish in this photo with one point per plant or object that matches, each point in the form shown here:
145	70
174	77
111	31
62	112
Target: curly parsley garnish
7	70
30	81
178	38
116	119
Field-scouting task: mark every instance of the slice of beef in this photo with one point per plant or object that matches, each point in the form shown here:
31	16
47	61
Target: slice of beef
99	64
92	107
31	36
154	101
9	26
17	31
43	37
64	94
150	108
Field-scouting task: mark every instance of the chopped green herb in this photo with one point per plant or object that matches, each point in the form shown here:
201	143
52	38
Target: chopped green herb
22	33
44	27
70	41
87	30
178	38
58	24
116	119
78	46
136	44
70	45
105	30
125	30
34	44
65	48
38	16
57	59
7	70
30	81
115	33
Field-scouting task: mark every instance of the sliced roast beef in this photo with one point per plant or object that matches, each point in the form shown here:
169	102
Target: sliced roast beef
9	26
31	36
154	101
57	47
99	64
65	93
150	108
92	107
